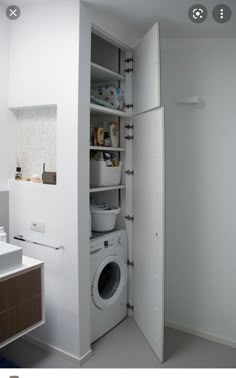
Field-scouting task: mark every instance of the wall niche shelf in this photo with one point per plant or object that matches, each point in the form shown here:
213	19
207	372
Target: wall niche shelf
97	109
99	148
101	74
106	188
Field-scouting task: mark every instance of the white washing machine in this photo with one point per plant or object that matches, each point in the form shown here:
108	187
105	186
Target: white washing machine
109	277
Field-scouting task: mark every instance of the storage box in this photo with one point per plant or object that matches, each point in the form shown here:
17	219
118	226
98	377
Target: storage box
101	175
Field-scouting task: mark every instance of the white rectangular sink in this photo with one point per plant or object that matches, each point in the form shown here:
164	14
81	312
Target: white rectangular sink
10	257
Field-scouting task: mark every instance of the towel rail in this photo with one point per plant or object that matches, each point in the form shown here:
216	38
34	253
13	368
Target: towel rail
21	238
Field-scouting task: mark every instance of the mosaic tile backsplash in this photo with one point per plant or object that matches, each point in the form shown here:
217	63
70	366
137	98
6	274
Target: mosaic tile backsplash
36	140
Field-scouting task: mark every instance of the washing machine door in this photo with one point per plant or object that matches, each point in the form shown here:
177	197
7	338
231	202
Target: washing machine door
110	280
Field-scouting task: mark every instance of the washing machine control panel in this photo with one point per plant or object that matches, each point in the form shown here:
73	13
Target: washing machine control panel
115	241
110	243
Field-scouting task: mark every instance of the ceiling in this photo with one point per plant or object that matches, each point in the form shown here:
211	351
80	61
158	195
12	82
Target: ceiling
172	15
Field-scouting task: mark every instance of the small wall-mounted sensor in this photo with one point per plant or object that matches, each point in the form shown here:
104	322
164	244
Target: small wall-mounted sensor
37	227
188	100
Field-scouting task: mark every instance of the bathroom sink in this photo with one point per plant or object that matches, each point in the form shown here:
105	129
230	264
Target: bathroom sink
10	257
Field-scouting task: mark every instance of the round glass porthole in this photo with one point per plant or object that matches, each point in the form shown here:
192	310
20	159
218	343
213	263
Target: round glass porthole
109	280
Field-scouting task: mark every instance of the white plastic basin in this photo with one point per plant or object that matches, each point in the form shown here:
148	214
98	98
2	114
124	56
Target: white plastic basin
10	257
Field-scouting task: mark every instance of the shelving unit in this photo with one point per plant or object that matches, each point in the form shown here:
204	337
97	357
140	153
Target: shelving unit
106	188
98	148
108	68
102	74
97	109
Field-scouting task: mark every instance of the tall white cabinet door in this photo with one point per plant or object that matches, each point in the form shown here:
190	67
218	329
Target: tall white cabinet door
146	75
149	227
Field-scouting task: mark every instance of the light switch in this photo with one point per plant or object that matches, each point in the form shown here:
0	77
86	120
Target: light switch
37	227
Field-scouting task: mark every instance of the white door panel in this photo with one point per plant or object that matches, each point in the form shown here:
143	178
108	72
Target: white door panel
146	75
149	229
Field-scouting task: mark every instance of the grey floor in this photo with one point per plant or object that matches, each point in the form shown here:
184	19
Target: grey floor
125	347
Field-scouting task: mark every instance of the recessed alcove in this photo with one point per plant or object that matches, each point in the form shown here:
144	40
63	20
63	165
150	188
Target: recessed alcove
36	136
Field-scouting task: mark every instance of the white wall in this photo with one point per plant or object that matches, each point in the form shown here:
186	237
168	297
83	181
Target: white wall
44	58
4	211
7	161
6	119
201	185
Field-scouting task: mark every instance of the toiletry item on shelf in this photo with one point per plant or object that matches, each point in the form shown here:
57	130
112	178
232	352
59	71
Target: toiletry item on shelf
3	235
18	175
107	158
107	139
36	179
96	155
49	178
108	96
100	136
19	161
115	163
114	134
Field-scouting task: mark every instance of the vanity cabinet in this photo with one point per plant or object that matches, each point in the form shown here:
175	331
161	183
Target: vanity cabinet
22	300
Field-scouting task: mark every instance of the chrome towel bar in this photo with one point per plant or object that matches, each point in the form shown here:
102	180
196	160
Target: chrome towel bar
21	238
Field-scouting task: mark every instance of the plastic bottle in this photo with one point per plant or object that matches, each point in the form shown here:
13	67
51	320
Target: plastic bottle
114	134
3	235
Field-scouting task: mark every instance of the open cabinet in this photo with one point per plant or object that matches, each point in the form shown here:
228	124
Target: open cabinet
140	194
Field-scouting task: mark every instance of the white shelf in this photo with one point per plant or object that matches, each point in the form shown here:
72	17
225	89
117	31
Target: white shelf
102	74
97	109
106	188
97	148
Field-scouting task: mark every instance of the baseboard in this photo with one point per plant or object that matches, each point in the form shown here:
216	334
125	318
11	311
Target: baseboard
204	335
58	352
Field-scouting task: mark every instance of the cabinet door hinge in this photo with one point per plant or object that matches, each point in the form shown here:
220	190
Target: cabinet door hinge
129	60
129	137
128	70
129	172
128	106
130	307
129	218
129	127
130	263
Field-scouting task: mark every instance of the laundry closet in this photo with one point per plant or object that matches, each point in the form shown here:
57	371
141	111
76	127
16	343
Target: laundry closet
124	123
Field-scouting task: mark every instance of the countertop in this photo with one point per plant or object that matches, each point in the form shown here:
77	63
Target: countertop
27	264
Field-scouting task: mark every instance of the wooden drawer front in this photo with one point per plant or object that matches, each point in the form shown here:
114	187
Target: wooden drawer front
20	317
19	289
